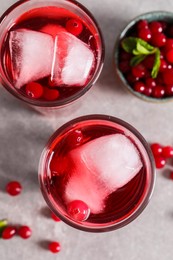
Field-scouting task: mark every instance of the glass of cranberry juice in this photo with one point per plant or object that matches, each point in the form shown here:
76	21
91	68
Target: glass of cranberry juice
97	173
51	51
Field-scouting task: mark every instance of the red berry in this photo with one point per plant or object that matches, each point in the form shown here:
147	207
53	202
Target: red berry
78	210
142	24
168	76
169	90
74	26
149	61
50	94
14	188
124	66
169	56
160	162
54	247
158	92
34	90
125	56
144	34
155	27
8	232
158	39
24	232
150	83
148	91
156	149
139	87
54	217
131	79
169	45
163	65
167	152
75	138
138	71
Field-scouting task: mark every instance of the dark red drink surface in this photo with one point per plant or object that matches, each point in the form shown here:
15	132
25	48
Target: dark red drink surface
119	204
35	20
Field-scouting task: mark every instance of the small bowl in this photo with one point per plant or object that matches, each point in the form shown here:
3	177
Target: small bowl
151	16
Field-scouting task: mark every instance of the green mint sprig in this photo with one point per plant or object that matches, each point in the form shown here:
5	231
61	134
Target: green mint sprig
141	49
3	224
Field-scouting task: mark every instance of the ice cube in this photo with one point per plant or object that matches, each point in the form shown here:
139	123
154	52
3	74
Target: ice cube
74	61
100	167
31	54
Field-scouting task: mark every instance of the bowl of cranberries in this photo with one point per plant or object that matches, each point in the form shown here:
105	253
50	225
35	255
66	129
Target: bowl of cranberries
144	56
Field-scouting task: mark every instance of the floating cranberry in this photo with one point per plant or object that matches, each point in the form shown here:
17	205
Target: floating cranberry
138	71
54	247
55	218
167	152
158	39
50	94
144	34
155	27
158	92
150	83
14	188
74	26
168	76
156	149
78	210
75	138
8	232
169	56
34	90
25	232
139	87
160	162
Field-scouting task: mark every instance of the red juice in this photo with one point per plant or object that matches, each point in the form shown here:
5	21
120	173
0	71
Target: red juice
65	164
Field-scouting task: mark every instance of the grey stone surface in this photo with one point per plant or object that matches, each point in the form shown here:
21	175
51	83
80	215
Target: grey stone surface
23	134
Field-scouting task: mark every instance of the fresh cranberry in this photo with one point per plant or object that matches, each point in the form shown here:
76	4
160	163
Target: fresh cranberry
125	56
34	90
55	218
159	80
155	27
74	26
158	39
50	94
158	92
167	152
54	247
169	45
164	25
8	232
142	24
78	210
24	232
156	149
124	66
168	76
149	61
169	66
139	87
14	188
169	56
148	91
163	65
131	79
150	83
160	162
138	71
144	34
169	90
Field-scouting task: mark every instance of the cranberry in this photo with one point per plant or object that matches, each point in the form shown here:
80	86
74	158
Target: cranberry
155	27
54	217
169	45
169	66
54	247
125	56
159	79
149	61
144	34
131	79
142	24
139	87
160	162
24	232
138	71
168	76
13	188
158	39
163	65
167	152
158	92
156	149
148	91
74	26
150	83
124	66
34	90
75	138
8	232
78	210
169	90
50	94
169	56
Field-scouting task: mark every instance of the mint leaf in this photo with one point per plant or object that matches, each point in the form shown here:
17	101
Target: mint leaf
156	65
143	45
129	44
137	59
3	224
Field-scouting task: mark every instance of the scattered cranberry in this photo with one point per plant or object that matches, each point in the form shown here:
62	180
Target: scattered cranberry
54	247
74	26
167	152
145	34
139	87
8	232
142	24
78	210
155	27
14	188
156	149
158	92
34	90
160	162
50	94
24	232
138	71
54	217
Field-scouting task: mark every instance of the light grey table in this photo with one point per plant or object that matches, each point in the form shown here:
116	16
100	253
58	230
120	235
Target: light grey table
23	134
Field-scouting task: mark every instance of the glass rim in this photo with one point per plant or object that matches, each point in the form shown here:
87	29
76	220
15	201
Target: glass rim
58	103
107	226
